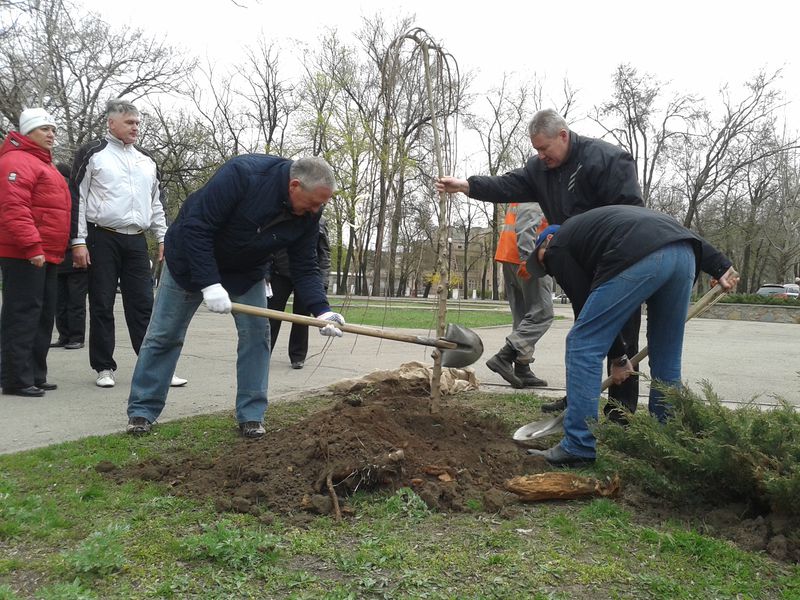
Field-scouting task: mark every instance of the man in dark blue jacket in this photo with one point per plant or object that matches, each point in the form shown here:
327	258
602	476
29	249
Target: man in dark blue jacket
610	260
568	175
218	250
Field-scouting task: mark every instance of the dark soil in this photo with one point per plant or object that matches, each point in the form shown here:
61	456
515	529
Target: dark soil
385	438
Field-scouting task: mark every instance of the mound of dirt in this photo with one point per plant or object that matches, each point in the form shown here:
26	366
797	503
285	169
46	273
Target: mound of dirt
385	438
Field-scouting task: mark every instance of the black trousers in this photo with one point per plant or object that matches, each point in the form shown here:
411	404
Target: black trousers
71	305
117	258
626	394
282	288
26	322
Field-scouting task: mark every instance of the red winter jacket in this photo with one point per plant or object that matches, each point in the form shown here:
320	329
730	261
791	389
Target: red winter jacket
35	202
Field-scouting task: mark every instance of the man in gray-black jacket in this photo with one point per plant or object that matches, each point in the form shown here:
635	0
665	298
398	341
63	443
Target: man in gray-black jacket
569	175
610	260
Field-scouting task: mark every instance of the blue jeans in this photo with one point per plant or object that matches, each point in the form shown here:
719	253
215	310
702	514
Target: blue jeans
173	310
662	279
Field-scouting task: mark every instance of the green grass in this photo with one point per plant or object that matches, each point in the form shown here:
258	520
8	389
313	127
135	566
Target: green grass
393	316
756	299
69	532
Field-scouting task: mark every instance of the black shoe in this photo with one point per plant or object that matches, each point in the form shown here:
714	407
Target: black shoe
47	387
138	426
559	405
58	343
73	345
527	377
502	363
29	392
558	457
617	412
298	364
252	429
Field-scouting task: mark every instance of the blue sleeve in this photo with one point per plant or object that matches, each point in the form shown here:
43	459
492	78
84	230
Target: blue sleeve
206	212
304	265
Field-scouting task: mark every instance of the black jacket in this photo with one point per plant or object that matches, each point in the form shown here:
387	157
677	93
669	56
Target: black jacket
594	174
591	248
227	231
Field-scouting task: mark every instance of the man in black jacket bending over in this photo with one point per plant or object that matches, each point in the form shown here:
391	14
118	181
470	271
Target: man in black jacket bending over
569	175
610	260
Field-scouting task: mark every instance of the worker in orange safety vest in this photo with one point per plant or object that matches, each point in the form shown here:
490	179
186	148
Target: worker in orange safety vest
530	298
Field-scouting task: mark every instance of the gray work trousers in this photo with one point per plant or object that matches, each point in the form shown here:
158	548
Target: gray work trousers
531	302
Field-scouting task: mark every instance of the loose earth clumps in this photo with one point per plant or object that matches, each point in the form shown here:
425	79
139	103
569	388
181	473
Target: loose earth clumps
384	439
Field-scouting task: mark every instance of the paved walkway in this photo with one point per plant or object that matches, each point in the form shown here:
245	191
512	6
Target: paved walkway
742	360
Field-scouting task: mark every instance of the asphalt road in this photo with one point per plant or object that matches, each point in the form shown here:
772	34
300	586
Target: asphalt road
742	360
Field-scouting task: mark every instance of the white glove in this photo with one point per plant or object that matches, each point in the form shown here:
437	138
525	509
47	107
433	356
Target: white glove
217	299
269	290
331	330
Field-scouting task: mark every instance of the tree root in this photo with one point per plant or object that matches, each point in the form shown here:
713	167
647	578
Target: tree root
337	512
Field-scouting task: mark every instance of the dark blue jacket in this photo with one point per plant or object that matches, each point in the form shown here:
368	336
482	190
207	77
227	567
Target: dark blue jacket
227	230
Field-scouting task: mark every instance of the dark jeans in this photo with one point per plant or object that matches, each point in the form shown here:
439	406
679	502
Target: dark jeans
124	259
282	288
71	306
26	322
174	309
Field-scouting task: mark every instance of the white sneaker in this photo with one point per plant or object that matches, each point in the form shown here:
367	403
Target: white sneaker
105	379
178	381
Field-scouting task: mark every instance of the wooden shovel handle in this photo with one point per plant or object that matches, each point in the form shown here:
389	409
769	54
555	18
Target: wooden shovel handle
357	329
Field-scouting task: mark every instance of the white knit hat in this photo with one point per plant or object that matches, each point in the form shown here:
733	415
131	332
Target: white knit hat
31	118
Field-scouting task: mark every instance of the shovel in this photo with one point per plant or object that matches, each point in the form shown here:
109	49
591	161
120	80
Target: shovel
546	427
460	347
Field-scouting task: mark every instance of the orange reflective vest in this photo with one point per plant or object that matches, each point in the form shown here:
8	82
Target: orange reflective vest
507	248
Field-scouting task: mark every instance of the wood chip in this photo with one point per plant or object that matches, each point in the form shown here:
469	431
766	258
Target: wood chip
561	486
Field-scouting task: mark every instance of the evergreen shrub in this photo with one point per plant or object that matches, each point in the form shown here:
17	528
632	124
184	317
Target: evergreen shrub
708	453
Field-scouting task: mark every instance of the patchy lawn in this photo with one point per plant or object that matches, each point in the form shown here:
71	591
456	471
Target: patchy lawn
193	511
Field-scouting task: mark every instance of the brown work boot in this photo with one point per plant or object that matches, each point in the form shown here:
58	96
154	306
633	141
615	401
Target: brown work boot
502	363
527	377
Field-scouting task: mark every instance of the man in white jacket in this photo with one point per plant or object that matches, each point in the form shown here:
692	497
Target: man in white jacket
118	190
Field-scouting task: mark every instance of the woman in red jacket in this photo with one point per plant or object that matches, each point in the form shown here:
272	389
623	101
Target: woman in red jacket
35	211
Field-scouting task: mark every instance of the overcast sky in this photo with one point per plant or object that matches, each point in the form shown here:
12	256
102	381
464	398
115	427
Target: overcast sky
697	45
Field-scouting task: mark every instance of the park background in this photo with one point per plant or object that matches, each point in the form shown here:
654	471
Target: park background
701	94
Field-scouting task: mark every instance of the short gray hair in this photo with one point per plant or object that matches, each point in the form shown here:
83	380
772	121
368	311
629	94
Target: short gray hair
313	172
547	122
118	106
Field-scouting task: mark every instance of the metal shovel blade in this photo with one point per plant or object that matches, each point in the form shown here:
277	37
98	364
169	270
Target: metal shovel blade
539	429
469	347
